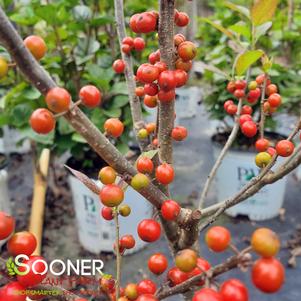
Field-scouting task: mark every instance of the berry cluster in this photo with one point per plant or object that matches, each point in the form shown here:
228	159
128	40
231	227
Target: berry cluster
249	127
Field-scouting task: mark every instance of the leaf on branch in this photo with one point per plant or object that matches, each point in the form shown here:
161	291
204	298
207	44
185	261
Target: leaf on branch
241	28
216	25
90	184
214	69
246	59
262	30
263	11
238	8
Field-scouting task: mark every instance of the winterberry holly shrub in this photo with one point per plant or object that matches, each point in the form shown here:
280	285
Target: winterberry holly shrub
153	84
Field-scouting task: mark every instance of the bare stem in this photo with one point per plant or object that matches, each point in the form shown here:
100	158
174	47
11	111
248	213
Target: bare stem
231	263
118	256
262	113
129	75
166	110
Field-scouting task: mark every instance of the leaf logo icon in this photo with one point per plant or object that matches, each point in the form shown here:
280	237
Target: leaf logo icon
11	268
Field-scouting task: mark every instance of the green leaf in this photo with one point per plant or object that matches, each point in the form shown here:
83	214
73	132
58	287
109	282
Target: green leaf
261	30
113	112
64	127
238	8
263	11
119	101
82	13
78	138
216	25
102	20
31	93
246	59
120	88
43	139
47	13
242	29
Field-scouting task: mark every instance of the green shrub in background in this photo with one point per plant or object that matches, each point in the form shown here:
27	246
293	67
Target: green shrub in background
82	44
282	42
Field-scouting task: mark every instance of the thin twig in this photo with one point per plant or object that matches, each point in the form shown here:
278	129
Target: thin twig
118	256
129	76
262	113
223	153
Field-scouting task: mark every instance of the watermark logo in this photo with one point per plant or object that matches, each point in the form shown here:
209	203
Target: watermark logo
57	267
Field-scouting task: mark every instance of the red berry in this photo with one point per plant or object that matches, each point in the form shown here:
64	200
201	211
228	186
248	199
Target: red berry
139	91
253	95
58	100
170	210
246	110
146	286
183	65
285	148
153	58
207	294
161	66
125	48
111	195
274	100
157	264
227	103
149	230
127	242
239	93
7	225
129	41
107	213
42	121
234	290
22	243
262	144
268	274
151	89
179	133
147	73
37	264
119	66
165	174
218	238
181	77
145	165
150	101
36	45
167	80
133	23
182	19
271	89
231	87
244	118
187	51
90	96
202	265
166	96
139	44
240	84
114	127
176	276
146	22
146	297
231	109
249	129
271	151
12	291
178	39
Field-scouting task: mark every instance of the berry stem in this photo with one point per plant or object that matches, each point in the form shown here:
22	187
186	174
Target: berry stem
118	255
262	113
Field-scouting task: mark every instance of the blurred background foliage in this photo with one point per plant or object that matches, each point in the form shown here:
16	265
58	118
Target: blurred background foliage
282	42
